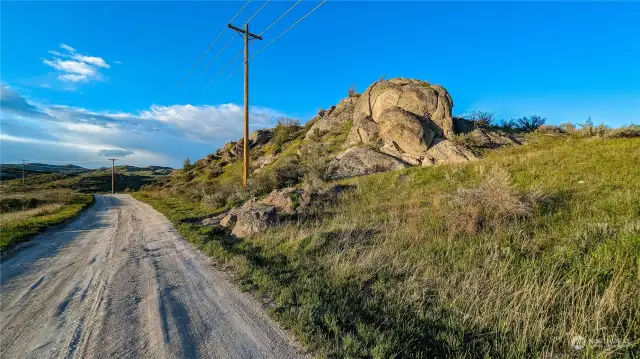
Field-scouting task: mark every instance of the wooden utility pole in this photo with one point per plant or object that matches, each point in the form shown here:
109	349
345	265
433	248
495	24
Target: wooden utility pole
245	152
113	169
23	163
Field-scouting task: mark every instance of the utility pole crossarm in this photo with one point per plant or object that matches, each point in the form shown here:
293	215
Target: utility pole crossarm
237	29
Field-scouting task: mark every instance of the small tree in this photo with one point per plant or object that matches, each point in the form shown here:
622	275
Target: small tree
186	165
352	91
481	118
286	130
531	123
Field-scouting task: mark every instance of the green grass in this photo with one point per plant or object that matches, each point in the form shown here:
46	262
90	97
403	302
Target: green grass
94	181
20	224
394	270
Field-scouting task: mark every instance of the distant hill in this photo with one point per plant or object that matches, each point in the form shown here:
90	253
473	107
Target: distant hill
9	171
40	176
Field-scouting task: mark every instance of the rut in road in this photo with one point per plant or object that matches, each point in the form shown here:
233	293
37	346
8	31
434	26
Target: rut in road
120	282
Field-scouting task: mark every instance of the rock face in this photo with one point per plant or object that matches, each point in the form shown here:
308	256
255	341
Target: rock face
404	118
445	151
427	103
285	200
259	137
333	118
394	124
254	220
357	161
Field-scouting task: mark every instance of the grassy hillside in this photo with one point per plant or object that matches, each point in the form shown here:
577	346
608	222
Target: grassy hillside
11	171
88	181
24	215
520	254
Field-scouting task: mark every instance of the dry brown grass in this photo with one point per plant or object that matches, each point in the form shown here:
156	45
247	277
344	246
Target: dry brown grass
494	202
6	218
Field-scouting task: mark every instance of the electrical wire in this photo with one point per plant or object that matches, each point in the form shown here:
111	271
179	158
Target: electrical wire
277	37
211	45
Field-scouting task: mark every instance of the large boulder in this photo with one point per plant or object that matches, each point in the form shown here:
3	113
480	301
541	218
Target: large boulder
263	161
403	118
357	161
364	130
259	137
285	200
405	131
445	151
254	220
426	101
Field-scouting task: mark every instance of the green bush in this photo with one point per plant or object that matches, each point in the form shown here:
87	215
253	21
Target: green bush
624	132
286	130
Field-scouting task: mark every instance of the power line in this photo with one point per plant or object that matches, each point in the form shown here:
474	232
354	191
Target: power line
277	37
226	67
240	52
281	16
218	54
263	31
211	45
289	28
233	38
256	13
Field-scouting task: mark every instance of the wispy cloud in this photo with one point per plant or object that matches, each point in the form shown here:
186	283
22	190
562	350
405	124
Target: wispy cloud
158	135
75	67
13	103
115	153
67	47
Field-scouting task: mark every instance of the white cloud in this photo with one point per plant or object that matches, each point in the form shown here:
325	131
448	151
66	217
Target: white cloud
10	138
203	123
160	135
75	67
96	61
117	62
67	47
72	78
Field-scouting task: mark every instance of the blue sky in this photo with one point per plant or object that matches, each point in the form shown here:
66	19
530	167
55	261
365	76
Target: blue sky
83	77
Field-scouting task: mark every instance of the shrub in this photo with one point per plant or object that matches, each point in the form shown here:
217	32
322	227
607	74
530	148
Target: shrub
315	163
624	132
186	165
262	182
481	118
508	125
550	129
568	127
286	130
468	140
588	129
352	91
490	205
531	123
287	172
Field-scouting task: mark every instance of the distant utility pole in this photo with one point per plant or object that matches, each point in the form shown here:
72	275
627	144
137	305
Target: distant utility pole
113	168
23	163
245	152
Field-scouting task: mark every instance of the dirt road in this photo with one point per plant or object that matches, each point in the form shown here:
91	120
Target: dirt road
119	282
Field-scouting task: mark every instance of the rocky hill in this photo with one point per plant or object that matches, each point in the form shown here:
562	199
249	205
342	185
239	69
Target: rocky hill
394	124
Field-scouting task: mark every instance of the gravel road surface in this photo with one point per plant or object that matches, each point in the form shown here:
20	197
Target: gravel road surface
120	282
